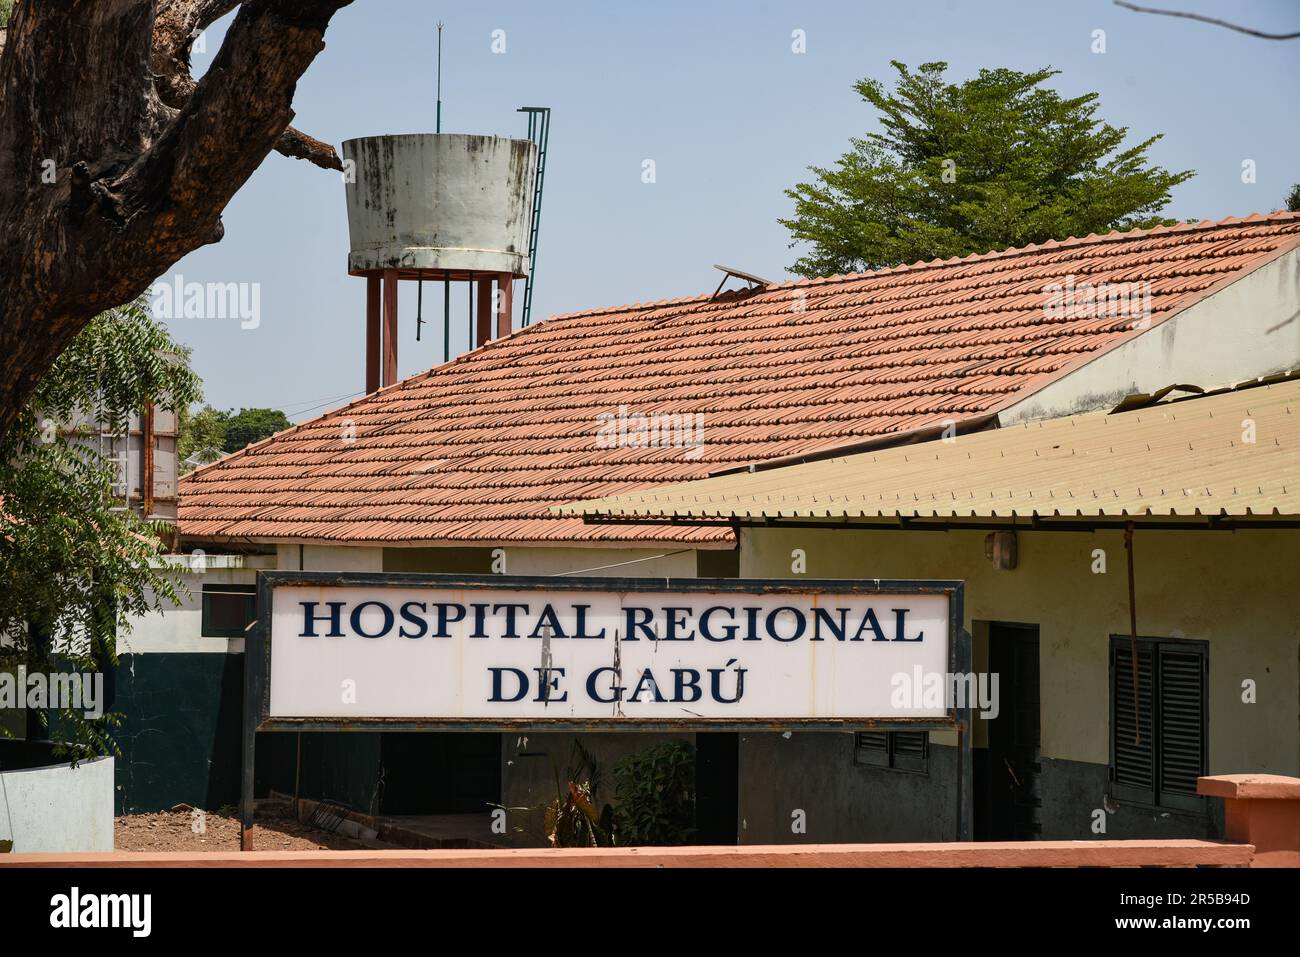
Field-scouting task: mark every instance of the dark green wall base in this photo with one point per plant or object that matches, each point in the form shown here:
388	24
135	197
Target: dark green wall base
181	735
846	803
180	730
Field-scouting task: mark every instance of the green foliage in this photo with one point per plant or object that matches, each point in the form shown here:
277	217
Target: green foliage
656	795
208	434
202	435
74	567
994	162
253	425
6	11
122	360
1293	199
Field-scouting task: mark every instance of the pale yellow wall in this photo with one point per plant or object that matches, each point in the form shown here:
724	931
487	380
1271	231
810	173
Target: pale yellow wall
1235	589
676	562
329	558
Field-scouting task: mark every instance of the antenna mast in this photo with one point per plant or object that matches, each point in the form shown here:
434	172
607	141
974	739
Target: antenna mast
438	121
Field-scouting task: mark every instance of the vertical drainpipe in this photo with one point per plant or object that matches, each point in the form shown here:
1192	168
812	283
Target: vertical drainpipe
1132	634
146	460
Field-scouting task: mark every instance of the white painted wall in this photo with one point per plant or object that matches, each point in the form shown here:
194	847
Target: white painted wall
1246	330
180	629
58	807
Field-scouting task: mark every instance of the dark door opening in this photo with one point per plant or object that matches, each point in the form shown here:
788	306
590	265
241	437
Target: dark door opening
431	772
717	787
1006	780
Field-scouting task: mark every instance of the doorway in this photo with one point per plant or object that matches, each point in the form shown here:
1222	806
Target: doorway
425	772
1007	799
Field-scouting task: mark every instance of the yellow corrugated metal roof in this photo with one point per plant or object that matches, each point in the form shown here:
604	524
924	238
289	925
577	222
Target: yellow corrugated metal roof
1233	454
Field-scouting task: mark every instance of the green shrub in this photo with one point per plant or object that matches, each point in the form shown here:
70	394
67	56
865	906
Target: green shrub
655	789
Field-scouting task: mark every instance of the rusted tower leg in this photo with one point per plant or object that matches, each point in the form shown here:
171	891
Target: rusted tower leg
505	317
483	321
372	332
390	326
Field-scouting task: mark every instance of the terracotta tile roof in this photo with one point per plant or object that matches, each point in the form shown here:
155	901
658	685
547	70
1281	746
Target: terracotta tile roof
476	451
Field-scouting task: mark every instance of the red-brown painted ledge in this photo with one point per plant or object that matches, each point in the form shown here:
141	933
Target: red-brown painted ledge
990	854
1259	809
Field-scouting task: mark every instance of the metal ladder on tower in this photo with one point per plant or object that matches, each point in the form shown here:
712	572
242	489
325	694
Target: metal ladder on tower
539	128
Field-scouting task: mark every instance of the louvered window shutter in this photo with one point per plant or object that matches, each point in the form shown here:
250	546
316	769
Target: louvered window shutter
1158	747
1182	726
910	750
1132	745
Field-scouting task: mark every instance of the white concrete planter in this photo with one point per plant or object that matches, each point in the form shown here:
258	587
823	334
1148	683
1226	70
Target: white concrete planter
58	807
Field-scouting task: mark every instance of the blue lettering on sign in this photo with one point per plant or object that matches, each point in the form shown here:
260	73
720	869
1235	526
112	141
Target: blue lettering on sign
374	619
717	623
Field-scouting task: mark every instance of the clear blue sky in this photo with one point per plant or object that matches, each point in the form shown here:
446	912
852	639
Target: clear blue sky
713	94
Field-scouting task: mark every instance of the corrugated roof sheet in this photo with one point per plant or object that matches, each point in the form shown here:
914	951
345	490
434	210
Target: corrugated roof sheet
477	451
1229	454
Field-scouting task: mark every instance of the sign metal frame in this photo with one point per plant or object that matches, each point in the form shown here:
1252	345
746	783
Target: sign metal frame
257	663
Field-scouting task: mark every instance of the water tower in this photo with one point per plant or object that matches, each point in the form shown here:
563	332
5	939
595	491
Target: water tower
446	208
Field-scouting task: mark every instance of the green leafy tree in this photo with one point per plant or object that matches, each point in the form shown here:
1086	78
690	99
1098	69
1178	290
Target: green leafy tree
960	168
74	565
1293	200
202	436
253	425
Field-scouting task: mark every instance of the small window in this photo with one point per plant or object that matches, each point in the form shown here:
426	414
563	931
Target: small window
1158	749
228	610
899	750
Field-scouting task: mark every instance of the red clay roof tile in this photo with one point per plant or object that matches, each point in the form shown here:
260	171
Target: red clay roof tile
476	451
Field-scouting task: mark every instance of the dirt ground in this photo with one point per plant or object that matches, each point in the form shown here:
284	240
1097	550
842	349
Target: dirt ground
181	830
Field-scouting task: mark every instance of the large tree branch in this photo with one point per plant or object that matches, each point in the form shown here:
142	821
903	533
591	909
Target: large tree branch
178	24
238	111
114	163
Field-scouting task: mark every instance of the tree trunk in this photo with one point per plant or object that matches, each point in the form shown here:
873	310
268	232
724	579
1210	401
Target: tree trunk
115	163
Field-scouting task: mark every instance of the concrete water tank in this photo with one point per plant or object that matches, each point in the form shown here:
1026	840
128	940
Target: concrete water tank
440	201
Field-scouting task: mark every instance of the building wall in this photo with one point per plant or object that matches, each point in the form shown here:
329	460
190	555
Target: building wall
1244	331
178	629
180	696
329	558
1234	590
668	562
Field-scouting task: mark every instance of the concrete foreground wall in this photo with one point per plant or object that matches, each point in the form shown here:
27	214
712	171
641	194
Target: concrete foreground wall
992	854
58	807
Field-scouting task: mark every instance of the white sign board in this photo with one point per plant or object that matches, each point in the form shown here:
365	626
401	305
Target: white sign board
503	654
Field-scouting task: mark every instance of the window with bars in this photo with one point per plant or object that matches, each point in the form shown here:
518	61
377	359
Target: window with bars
1158	742
228	610
899	750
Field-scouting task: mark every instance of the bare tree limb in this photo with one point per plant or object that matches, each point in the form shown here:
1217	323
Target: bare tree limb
1204	19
